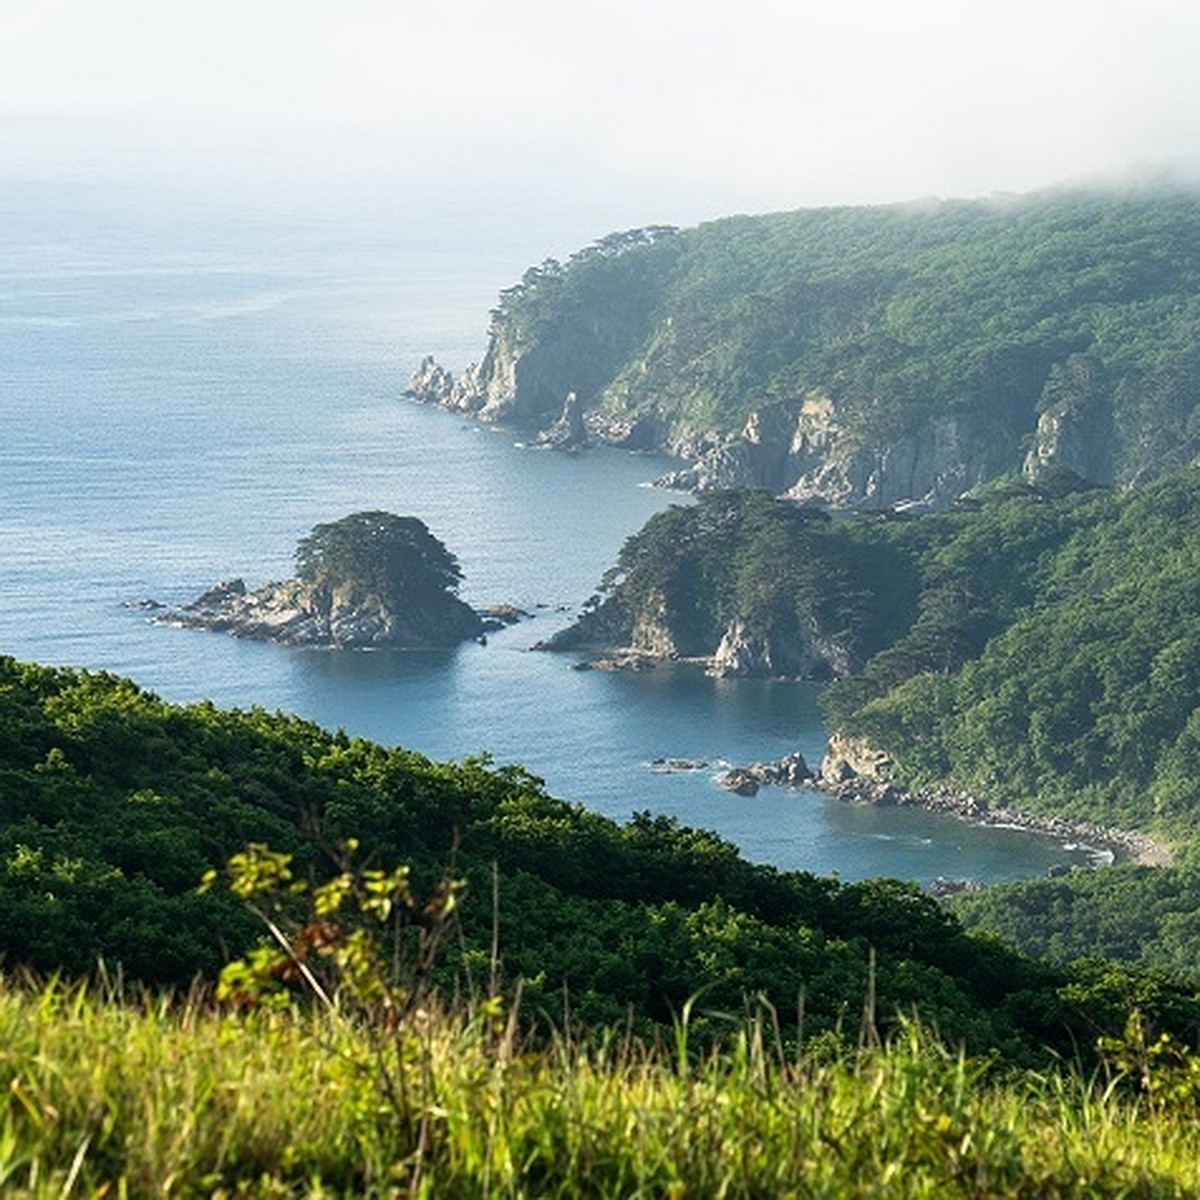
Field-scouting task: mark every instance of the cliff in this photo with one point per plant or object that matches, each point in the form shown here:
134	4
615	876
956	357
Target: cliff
867	357
745	585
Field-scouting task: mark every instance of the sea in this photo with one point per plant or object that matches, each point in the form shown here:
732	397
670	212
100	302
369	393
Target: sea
185	392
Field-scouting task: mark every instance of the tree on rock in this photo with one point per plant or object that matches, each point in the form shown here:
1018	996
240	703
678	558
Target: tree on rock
396	558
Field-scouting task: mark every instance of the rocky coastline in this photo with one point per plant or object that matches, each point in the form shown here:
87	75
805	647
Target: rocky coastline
294	613
789	771
854	771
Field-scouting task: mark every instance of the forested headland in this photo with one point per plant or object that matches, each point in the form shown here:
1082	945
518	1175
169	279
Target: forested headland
869	355
1038	649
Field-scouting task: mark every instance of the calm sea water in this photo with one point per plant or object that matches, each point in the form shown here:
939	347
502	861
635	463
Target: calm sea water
181	401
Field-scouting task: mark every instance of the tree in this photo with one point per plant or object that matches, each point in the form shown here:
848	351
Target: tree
397	558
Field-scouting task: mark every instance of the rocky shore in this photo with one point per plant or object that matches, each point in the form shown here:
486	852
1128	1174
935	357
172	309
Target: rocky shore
857	773
854	771
1122	844
297	614
789	771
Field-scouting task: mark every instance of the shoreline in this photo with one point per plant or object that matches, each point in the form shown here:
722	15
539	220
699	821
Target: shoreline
1125	845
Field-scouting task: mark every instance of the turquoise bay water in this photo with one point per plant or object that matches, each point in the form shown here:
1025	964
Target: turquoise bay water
180	405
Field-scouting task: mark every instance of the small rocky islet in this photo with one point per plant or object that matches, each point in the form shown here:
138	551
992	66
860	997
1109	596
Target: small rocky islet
372	580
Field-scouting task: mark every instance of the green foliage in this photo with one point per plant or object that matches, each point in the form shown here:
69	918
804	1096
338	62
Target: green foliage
899	314
395	558
141	1095
1041	651
1146	915
784	573
115	804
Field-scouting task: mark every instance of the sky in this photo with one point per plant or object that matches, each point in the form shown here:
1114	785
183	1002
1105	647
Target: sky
643	110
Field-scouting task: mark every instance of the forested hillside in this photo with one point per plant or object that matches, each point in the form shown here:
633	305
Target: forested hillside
115	804
1041	648
1038	650
866	355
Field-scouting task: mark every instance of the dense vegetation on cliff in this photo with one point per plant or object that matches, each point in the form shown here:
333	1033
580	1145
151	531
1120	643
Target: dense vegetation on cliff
1076	682
1041	651
115	804
941	334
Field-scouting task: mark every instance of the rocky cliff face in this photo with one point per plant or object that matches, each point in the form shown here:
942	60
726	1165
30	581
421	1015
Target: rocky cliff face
853	758
775	654
799	449
804	452
1075	431
297	614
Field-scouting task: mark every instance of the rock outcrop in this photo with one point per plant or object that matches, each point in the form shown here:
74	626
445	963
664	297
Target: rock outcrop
299	614
849	758
804	452
569	432
773	653
789	771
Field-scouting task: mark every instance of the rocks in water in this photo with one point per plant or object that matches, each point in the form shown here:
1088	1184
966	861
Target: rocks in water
740	780
500	616
627	661
431	383
297	614
568	432
789	771
675	766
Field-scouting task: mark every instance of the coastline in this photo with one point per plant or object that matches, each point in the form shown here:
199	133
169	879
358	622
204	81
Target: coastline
1124	845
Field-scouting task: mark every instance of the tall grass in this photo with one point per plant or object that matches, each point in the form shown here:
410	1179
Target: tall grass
103	1094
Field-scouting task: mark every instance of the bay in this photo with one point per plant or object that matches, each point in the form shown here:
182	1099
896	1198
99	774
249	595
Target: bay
180	402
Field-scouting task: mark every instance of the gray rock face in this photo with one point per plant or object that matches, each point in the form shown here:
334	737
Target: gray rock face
789	771
799	448
1074	429
568	432
297	614
803	452
848	758
765	654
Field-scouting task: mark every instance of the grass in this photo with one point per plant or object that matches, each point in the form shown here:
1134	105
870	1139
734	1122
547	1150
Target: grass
108	1095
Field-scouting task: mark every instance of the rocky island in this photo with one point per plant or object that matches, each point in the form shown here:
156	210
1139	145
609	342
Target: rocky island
368	580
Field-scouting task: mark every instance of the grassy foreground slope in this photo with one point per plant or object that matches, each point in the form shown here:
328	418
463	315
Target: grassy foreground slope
115	803
145	1098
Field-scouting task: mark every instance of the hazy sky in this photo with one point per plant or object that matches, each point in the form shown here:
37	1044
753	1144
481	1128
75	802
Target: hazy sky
655	109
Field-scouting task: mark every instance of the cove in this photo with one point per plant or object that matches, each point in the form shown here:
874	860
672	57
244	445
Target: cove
166	427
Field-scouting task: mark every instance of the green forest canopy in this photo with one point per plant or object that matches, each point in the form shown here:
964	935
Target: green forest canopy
898	313
114	804
395	558
1041	651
